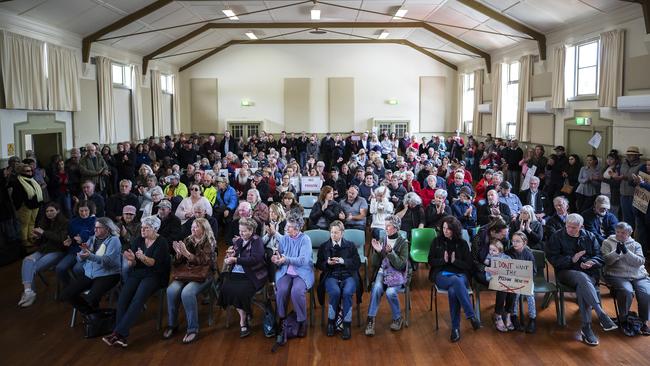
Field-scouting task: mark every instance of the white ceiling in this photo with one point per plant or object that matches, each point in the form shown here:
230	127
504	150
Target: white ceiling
87	16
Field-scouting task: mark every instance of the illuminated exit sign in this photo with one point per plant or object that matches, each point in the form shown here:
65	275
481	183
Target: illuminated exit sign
583	121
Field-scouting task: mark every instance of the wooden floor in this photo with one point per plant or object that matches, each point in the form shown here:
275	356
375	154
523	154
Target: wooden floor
40	335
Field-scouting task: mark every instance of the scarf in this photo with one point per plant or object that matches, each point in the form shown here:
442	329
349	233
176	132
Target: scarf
31	187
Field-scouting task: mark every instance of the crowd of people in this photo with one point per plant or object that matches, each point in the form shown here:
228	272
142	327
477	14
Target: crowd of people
150	216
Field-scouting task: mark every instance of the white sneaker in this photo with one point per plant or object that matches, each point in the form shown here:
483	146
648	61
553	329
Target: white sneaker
23	297
30	297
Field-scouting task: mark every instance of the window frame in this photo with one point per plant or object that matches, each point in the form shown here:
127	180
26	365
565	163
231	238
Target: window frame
576	68
126	76
164	79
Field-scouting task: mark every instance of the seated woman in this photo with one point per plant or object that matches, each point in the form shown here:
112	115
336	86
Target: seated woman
390	273
338	260
325	210
495	231
259	209
200	213
463	209
192	271
278	221
101	260
49	235
380	208
451	270
626	273
185	209
295	274
412	215
289	202
149	261
527	223
244	273
80	228
284	187
437	210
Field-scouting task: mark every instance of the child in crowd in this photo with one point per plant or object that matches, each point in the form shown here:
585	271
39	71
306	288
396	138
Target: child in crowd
521	251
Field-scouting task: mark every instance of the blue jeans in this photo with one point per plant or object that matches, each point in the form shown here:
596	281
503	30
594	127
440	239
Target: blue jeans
391	294
133	296
69	261
456	287
187	293
36	262
628	210
532	310
334	288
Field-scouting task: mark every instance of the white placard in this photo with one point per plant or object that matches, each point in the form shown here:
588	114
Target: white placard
595	140
641	195
525	184
514	276
223	172
310	184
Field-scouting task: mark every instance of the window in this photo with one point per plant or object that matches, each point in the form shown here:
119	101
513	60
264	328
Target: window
581	69
245	130
468	102
392	126
510	98
121	75
167	83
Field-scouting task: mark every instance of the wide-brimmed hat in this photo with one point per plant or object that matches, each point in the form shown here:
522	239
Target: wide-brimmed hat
633	150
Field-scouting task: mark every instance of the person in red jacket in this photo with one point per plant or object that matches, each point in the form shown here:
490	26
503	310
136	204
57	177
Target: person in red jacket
482	185
411	184
428	194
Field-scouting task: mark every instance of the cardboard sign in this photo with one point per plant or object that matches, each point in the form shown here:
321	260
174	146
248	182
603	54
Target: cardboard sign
310	184
514	276
223	172
641	195
525	184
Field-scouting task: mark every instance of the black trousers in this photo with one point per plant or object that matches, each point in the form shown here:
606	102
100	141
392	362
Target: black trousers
504	303
86	303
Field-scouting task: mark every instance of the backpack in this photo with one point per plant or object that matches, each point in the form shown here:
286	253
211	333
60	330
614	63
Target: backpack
631	324
290	328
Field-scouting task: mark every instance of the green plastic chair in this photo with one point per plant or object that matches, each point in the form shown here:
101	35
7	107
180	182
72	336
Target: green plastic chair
358	237
421	240
318	237
542	285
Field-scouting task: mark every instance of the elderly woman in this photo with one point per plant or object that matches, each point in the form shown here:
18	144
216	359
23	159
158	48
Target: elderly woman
390	273
412	215
260	209
451	270
244	273
380	208
192	271
185	209
338	260
325	210
295	274
149	261
150	207
463	209
278	221
626	274
49	235
410	183
428	193
101	260
437	210
129	228
527	223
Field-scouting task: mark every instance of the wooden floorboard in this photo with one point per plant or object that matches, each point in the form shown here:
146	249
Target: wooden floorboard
40	335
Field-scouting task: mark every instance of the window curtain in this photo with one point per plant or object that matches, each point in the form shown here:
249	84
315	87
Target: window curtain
496	101
612	47
459	97
23	72
107	133
63	89
478	99
525	74
156	99
176	105
558	99
136	102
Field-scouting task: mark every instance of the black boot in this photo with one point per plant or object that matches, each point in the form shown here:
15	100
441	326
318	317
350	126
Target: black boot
347	331
532	327
302	329
455	335
516	323
281	338
330	327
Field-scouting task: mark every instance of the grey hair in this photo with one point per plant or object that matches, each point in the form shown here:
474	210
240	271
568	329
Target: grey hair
394	220
530	211
441	193
602	201
250	224
155	190
127	181
624	226
294	218
109	225
534	179
152	221
256	193
563	199
245	203
575	219
413	198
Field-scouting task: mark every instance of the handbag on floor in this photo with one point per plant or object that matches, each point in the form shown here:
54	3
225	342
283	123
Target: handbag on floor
99	323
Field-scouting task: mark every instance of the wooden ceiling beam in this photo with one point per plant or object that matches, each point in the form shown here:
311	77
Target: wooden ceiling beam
286	25
520	27
87	41
318	41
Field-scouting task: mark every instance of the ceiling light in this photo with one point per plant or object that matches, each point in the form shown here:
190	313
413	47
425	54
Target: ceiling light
230	14
383	34
251	35
315	13
400	13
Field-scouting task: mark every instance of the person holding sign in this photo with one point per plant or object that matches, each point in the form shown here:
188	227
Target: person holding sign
521	251
451	266
575	255
505	301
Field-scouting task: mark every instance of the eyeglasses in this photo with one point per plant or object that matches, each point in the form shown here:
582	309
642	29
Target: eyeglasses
195	189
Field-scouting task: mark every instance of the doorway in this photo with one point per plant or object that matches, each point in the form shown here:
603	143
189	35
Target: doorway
577	134
44	145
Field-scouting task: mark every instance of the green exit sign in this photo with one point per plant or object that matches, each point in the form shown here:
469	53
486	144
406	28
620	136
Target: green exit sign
583	121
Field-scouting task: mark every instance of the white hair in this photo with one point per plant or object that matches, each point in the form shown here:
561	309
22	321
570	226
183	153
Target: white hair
151	221
530	211
574	219
413	198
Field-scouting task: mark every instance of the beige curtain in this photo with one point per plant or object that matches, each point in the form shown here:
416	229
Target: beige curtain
23	72
63	89
176	105
612	47
136	102
525	74
496	101
459	97
557	87
107	133
156	98
478	99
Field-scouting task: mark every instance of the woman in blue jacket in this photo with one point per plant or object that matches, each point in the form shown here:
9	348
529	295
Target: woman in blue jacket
80	228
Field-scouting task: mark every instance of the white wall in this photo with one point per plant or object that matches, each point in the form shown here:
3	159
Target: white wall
9	117
381	72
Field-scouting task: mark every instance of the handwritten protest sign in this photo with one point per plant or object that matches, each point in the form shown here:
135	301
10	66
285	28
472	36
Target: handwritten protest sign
641	195
513	276
310	184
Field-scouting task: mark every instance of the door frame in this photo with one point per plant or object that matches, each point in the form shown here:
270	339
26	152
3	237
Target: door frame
33	128
598	124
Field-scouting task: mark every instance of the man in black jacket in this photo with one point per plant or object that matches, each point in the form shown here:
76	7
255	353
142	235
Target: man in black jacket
228	144
513	155
536	198
576	258
187	154
116	202
492	208
170	225
337	183
339	262
557	220
599	221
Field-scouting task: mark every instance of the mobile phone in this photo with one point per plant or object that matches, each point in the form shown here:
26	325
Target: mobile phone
84	246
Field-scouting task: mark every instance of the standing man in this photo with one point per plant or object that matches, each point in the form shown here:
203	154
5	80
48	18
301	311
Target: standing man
94	168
